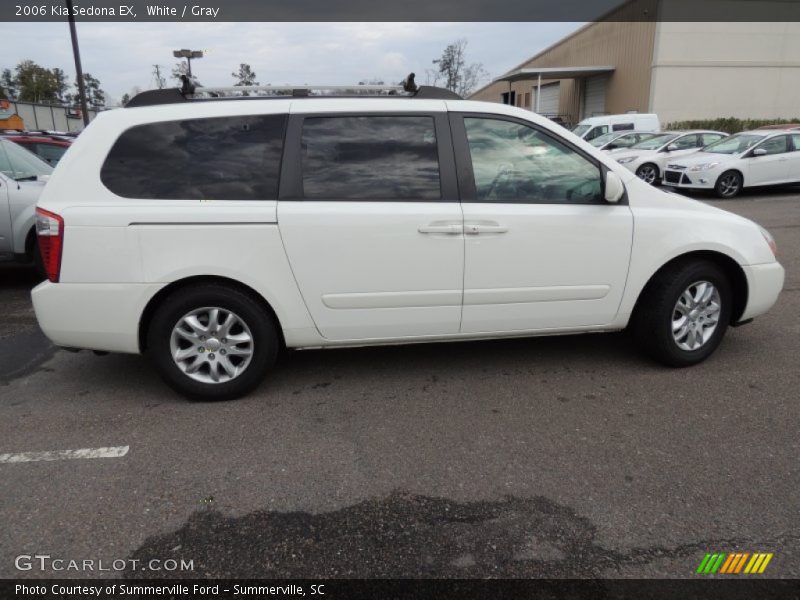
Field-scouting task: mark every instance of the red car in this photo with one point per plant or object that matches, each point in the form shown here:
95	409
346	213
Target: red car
48	149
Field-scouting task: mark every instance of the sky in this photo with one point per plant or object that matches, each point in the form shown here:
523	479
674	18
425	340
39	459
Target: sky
122	55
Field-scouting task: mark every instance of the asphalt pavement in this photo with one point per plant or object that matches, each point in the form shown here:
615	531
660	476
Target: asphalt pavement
546	457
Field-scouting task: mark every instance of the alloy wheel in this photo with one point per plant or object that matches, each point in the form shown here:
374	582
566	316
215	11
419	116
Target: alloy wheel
729	185
211	345
696	315
647	173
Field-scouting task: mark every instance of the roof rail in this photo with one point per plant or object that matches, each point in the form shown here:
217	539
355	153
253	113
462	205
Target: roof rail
260	92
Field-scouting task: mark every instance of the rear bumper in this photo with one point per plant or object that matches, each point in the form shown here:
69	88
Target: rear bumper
97	316
764	284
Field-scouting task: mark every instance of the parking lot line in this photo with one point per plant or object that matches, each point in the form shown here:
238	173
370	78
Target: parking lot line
110	452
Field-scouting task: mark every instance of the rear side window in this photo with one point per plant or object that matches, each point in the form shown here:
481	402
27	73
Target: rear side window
622	127
370	158
228	158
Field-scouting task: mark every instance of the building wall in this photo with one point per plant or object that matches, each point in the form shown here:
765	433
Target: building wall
46	116
628	46
709	70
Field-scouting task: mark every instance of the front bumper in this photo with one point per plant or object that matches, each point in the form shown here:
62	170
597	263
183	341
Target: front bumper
686	179
764	284
96	316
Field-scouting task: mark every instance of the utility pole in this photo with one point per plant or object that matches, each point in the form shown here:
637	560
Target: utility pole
78	69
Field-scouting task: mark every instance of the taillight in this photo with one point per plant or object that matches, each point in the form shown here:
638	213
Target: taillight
50	233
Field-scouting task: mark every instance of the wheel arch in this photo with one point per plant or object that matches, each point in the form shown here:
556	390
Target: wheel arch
735	170
154	302
729	266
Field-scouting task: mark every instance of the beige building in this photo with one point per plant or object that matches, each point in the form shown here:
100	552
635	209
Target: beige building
678	70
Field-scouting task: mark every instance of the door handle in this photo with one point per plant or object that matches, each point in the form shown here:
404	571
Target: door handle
442	227
477	228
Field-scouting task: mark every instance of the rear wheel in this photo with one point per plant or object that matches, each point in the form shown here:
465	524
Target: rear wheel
212	342
648	173
729	184
683	313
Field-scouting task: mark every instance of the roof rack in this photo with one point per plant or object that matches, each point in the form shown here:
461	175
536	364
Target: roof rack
190	92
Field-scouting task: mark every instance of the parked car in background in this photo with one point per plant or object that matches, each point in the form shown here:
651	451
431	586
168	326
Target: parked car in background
49	148
620	139
396	220
593	127
648	158
22	179
751	158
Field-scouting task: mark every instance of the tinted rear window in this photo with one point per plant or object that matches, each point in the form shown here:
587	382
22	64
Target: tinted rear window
229	158
376	157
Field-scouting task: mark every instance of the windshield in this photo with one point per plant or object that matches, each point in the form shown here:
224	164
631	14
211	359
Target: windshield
602	140
19	164
735	144
654	143
580	129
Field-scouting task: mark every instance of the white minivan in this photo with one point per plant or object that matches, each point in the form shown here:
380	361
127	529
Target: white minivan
212	233
590	128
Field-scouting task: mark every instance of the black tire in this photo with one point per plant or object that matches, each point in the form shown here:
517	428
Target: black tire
729	184
38	263
263	329
651	323
649	173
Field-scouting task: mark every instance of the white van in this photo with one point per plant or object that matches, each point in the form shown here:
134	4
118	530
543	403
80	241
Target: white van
590	128
212	233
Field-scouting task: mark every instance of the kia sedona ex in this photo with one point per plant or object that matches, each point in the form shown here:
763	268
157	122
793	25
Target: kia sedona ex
212	233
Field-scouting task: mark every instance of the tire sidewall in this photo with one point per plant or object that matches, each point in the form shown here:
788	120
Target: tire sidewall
262	327
692	274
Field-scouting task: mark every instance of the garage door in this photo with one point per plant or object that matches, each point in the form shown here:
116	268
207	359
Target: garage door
548	105
594	95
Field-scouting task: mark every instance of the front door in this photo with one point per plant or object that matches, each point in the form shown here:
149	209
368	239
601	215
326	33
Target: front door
371	223
772	167
542	249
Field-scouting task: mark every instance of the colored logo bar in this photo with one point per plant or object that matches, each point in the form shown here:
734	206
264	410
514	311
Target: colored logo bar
734	563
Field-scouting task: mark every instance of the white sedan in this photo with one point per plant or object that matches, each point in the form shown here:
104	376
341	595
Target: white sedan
648	158
751	158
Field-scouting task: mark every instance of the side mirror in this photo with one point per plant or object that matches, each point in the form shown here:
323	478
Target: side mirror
672	148
759	152
614	188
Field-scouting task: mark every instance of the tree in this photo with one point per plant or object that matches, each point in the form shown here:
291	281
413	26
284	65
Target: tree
95	96
452	68
124	100
180	68
160	81
245	76
36	84
8	85
61	86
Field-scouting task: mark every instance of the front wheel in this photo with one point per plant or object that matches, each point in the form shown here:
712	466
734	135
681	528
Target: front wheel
648	173
683	313
212	342
729	184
